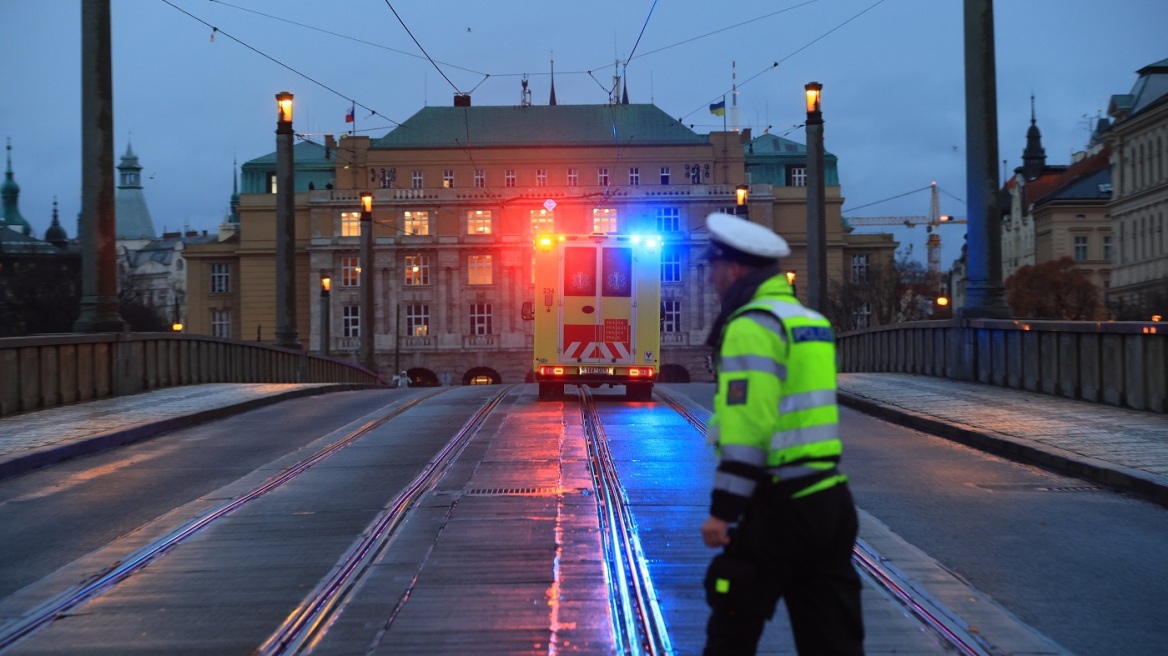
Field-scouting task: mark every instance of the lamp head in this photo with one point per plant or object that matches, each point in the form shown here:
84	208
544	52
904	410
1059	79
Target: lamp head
813	90
367	201
284	107
740	193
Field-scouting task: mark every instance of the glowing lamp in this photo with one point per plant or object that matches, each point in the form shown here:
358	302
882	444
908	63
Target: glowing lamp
942	301
367	202
284	107
740	193
326	284
813	90
176	327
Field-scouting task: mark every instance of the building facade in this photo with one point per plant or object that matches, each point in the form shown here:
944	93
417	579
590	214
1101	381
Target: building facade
1138	138
459	194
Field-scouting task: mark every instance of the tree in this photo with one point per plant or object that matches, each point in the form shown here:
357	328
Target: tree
39	294
882	293
1053	290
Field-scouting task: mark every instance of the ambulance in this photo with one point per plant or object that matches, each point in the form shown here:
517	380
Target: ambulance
597	312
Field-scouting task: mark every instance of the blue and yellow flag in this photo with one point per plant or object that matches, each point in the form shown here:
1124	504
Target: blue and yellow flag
718	108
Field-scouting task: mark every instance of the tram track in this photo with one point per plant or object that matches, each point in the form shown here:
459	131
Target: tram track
638	624
62	603
945	626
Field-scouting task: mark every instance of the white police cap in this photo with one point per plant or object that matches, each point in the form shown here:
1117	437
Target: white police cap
736	239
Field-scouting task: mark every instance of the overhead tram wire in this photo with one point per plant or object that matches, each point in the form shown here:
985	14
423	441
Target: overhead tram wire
907	193
776	64
373	112
431	59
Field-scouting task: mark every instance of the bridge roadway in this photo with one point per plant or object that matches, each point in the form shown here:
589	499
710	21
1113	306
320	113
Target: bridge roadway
484	587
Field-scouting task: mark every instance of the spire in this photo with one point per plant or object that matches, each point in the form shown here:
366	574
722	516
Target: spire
132	215
10	192
233	217
1034	157
56	235
552	100
625	93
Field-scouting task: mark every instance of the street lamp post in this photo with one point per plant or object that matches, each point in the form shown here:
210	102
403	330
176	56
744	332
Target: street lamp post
326	284
367	281
740	196
286	333
816	205
791	282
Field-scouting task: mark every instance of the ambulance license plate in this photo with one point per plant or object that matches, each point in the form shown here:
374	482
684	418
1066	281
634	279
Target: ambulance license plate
604	371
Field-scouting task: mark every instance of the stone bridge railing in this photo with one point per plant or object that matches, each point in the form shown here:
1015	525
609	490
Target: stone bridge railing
1118	363
49	370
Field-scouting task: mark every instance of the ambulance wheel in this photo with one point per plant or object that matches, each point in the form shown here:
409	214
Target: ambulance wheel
551	391
639	392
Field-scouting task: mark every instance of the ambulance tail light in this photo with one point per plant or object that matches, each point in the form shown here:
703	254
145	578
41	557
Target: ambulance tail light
646	372
553	371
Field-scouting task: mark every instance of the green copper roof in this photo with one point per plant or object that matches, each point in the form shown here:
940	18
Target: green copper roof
538	125
11	197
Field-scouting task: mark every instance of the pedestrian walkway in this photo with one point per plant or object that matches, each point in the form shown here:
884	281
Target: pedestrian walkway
38	438
1117	447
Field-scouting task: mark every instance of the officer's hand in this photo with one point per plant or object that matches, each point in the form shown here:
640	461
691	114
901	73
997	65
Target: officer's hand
714	532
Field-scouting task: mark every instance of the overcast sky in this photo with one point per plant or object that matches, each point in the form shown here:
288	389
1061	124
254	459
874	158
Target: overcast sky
892	72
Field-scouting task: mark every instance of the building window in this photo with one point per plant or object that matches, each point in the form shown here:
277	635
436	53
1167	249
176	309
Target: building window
220	279
480	318
417	270
670	316
478	222
1107	247
179	264
542	221
863	315
664	175
796	176
1081	248
271	182
448	179
416	223
671	265
634	176
573	177
668	219
350	224
695	173
351	321
416	180
541	177
509	178
860	268
604	220
221	323
480	178
478	270
350	271
417	319
602	177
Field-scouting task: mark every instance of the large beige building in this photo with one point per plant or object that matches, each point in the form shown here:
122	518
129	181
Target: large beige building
1139	169
458	194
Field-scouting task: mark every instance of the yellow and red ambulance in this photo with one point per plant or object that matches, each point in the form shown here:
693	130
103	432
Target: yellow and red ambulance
597	312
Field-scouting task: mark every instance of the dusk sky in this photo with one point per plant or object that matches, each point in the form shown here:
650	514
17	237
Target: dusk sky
892	74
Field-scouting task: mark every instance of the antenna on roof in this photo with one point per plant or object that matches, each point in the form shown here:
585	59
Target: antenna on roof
525	94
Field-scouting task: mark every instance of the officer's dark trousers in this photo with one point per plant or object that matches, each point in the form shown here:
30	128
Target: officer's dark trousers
802	550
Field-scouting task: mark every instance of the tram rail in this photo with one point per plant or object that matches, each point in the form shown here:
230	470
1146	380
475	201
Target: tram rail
60	604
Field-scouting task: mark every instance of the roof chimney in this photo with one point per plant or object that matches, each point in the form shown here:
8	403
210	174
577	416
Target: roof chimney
462	100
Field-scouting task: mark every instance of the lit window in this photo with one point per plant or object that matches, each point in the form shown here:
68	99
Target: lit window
480	318
480	178
664	175
478	269
417	319
573	177
602	177
670	316
634	176
671	265
416	223
271	183
221	323
604	220
797	176
351	321
417	270
542	221
416	181
478	222
448	178
350	224
220	279
668	219
541	177
509	178
350	271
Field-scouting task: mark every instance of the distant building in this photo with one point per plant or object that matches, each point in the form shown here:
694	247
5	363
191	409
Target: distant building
10	194
459	195
1031	181
1138	139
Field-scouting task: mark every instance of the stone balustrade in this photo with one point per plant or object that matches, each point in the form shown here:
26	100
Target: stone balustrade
1121	363
49	370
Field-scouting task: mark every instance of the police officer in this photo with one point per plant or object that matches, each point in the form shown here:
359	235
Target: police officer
780	507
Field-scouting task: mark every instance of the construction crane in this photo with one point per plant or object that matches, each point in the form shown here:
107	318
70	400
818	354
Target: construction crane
935	218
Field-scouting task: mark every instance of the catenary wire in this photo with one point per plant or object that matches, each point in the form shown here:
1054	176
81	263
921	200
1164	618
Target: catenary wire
416	42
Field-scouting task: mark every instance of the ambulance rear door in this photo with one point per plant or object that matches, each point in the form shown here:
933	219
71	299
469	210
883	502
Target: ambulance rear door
597	319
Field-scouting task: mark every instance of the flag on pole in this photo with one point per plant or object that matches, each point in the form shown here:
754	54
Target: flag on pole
718	108
351	115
